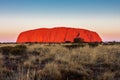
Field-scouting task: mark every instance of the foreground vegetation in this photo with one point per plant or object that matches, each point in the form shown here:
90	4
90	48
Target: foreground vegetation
60	61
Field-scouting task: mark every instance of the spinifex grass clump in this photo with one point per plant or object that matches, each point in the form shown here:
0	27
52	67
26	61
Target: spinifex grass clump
6	50
16	50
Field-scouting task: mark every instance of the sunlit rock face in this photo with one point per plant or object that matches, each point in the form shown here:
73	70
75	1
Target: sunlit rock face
58	34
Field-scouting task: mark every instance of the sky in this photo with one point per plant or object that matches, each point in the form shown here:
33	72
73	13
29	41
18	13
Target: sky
101	16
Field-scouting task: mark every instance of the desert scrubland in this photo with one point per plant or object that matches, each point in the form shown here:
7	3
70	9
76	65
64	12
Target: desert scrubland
35	61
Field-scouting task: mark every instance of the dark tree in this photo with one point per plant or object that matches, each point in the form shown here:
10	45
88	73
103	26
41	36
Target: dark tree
77	39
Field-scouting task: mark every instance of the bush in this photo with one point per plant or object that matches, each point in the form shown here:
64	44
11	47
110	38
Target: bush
93	44
19	50
67	41
6	50
50	72
78	40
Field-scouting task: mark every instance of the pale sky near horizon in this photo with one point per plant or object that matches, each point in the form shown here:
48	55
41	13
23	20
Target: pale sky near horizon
101	16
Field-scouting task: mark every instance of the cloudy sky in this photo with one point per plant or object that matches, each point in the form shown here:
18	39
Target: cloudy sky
102	16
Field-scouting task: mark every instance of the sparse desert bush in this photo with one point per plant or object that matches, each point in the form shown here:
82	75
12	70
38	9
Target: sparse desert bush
18	50
93	44
58	62
50	72
6	50
78	40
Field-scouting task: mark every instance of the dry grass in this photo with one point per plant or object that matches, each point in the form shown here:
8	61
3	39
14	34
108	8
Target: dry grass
58	62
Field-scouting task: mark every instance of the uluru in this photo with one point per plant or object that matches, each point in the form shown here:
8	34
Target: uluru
58	34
